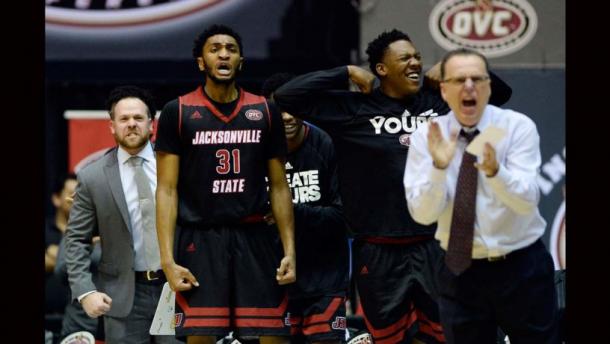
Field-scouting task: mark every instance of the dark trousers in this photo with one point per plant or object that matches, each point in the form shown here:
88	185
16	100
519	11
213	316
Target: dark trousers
517	293
134	329
75	320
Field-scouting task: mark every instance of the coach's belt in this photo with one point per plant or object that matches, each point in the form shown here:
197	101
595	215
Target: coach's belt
496	259
149	276
492	259
537	244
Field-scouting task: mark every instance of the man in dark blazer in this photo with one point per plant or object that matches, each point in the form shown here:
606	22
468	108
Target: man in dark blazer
109	203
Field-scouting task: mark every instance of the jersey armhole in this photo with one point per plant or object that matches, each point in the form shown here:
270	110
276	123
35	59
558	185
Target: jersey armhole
268	113
180	116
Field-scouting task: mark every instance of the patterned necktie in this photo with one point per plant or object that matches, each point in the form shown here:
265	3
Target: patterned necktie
147	207
459	249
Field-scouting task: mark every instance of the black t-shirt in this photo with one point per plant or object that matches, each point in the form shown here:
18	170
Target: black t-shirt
223	157
371	138
320	228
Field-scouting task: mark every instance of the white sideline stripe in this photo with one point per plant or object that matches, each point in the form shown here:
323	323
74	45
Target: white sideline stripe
91	114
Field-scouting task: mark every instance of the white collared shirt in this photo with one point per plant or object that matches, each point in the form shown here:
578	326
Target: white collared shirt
130	190
507	216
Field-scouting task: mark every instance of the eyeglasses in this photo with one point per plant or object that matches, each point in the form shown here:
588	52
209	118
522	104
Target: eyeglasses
461	80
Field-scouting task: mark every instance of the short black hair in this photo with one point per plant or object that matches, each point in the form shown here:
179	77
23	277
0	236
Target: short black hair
379	45
60	181
130	91
462	51
213	30
274	82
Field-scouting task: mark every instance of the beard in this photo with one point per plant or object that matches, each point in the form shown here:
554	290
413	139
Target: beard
138	142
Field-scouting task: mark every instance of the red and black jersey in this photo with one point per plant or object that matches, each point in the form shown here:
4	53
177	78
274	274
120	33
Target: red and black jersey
223	157
371	137
320	228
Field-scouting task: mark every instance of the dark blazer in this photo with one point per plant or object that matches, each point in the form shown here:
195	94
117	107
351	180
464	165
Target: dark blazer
99	207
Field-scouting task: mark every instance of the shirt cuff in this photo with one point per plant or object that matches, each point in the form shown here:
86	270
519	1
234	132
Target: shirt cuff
80	298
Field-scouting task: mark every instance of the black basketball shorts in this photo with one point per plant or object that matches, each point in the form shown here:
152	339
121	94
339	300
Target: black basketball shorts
318	319
236	268
398	290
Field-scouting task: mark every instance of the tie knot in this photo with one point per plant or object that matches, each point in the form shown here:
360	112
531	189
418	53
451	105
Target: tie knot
136	161
469	136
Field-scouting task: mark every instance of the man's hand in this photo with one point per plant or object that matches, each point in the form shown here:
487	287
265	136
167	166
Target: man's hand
286	273
442	151
362	78
96	304
52	251
269	219
432	78
70	198
50	257
490	165
179	277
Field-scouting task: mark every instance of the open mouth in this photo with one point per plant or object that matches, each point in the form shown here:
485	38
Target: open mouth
414	76
224	69
469	103
469	106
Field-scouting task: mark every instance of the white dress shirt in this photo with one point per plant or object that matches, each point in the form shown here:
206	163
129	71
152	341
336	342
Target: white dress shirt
130	189
507	216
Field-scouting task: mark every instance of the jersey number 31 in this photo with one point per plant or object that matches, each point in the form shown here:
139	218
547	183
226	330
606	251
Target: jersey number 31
224	162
